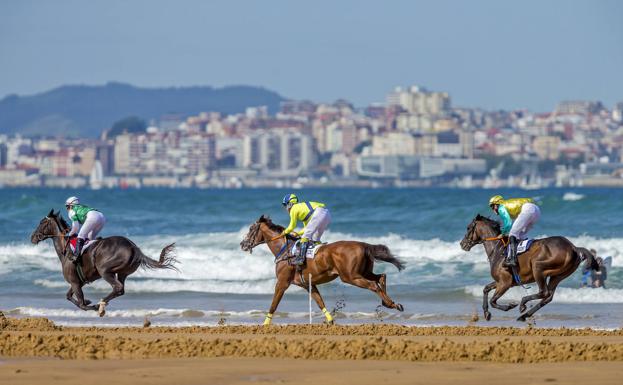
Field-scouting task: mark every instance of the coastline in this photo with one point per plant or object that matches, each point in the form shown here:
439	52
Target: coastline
35	349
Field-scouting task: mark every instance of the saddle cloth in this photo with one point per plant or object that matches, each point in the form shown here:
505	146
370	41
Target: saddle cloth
311	250
524	245
72	244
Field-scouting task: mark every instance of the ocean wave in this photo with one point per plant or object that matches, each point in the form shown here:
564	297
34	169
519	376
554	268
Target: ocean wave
562	295
213	262
173	286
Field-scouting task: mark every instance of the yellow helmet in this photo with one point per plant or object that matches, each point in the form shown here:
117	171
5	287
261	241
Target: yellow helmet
495	200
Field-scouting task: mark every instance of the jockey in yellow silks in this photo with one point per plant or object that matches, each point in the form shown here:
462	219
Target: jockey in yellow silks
315	217
518	216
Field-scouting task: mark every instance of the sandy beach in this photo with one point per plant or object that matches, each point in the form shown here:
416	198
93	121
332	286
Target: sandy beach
37	351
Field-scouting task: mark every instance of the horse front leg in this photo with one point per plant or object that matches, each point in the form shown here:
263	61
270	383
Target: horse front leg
280	288
485	300
320	302
500	290
84	304
118	289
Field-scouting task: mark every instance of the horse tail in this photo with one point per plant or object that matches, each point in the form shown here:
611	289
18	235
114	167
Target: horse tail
586	255
382	253
167	259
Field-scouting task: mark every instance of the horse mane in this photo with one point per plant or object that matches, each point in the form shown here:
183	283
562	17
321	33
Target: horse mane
273	226
63	222
491	222
58	218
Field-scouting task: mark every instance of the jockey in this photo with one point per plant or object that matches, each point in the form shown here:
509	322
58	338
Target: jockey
315	217
86	222
525	214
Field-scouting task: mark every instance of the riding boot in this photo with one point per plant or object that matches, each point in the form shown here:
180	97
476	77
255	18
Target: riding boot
300	260
511	255
78	250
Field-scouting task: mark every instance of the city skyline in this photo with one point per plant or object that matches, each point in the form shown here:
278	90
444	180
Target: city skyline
487	55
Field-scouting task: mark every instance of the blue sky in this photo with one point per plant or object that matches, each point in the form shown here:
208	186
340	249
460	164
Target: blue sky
490	54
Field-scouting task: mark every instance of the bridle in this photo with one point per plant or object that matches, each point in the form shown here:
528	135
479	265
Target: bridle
471	243
279	255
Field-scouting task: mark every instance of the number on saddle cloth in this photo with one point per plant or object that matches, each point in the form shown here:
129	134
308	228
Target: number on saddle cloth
524	246
311	249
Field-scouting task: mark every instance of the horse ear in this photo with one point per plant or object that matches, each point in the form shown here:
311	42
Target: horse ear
264	218
51	213
58	212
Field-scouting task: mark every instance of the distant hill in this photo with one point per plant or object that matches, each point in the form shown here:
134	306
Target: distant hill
87	110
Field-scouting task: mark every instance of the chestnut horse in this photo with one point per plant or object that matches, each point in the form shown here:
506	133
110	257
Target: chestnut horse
547	262
352	261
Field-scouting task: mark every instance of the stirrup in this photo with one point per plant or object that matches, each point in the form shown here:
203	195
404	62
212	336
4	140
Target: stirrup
509	263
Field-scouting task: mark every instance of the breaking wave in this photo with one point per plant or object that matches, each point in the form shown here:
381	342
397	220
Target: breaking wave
214	263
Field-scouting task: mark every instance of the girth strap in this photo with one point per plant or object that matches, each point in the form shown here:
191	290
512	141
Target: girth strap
80	273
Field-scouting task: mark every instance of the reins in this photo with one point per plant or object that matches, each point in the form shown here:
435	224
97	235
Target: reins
270	240
498	238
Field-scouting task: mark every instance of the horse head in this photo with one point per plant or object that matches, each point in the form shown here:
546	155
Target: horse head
254	236
258	231
478	229
51	225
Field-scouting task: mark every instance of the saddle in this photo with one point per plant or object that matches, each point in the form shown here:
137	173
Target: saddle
312	249
79	262
74	240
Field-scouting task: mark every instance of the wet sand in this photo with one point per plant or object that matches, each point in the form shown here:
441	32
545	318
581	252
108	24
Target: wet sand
37	351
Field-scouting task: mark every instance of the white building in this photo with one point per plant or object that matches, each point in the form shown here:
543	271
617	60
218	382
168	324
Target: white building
279	152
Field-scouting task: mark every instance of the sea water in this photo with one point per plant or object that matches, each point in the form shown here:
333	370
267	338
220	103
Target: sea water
219	283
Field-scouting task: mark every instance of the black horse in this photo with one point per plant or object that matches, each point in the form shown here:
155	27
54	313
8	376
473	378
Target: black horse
113	258
547	262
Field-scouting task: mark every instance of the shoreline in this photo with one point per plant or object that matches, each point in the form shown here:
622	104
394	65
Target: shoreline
35	351
39	337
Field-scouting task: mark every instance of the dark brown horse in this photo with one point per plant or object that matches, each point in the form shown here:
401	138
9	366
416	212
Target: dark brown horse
352	261
112	258
547	262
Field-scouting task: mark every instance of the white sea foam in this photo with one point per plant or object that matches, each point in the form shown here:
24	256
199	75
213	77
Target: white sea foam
200	315
562	295
571	196
213	262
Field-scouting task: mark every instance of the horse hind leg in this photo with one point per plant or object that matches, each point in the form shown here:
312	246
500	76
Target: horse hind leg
375	287
551	288
541	281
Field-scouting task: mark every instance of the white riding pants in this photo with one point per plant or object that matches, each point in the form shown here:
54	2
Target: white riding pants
317	225
529	215
93	224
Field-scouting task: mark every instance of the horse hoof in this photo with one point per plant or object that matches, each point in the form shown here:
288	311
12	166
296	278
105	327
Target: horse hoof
521	319
399	307
87	302
330	322
102	309
512	305
488	316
